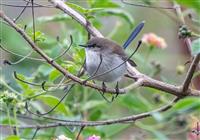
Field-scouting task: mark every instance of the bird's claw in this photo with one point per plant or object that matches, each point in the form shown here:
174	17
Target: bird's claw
84	82
117	90
104	87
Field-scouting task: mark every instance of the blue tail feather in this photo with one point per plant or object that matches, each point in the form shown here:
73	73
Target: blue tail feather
134	34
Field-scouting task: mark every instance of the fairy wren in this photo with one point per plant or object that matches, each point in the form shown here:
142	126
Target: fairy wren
103	55
106	60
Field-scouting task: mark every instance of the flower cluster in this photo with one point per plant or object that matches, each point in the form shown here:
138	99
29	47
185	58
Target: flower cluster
152	39
94	138
13	101
63	137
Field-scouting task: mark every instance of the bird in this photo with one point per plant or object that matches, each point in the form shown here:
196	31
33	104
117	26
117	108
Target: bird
103	55
106	60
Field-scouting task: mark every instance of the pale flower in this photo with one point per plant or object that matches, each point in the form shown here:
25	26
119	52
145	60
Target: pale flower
63	137
194	129
154	40
94	138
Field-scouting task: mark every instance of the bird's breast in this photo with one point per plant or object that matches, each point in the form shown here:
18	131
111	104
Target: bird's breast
108	62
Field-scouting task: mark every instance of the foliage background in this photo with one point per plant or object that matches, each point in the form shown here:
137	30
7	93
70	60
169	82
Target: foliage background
116	21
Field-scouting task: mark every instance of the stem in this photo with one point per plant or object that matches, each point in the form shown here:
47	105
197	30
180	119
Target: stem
195	34
9	118
15	118
9	87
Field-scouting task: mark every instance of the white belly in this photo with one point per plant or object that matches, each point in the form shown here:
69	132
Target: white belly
108	62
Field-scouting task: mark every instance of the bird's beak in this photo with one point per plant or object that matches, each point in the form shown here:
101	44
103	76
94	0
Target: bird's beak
84	46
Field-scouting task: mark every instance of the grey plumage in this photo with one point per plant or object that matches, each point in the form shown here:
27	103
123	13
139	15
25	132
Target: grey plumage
112	56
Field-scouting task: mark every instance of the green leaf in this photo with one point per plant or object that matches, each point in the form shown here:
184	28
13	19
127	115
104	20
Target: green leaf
148	2
77	7
184	106
54	75
51	101
55	18
12	137
95	114
93	10
92	104
71	66
23	85
133	103
8	121
104	4
113	130
90	2
196	46
117	12
39	36
195	4
187	102
196	74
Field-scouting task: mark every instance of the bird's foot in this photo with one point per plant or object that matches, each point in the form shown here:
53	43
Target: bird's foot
103	87
84	82
117	89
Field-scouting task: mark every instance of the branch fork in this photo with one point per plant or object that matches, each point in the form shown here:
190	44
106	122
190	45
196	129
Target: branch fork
140	78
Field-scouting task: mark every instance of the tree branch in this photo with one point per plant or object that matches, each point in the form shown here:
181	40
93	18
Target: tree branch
190	73
75	15
146	82
50	60
123	120
141	79
196	59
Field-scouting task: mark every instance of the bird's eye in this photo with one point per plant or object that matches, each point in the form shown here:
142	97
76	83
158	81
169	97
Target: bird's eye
91	45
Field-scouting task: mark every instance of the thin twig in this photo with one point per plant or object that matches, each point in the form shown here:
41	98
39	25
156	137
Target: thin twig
138	83
95	72
56	87
123	120
79	133
63	53
37	4
38	84
196	59
112	69
50	60
53	108
181	18
22	59
22	11
78	17
16	54
190	73
33	17
22	6
149	82
35	133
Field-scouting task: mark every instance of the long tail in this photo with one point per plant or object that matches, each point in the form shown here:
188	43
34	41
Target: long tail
134	34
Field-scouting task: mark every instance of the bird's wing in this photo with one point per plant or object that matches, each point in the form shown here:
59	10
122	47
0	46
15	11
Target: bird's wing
120	51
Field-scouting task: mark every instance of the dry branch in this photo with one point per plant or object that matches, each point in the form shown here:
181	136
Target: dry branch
78	17
123	120
141	79
146	81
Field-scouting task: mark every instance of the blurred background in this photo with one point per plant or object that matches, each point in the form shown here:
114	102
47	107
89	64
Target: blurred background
115	20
